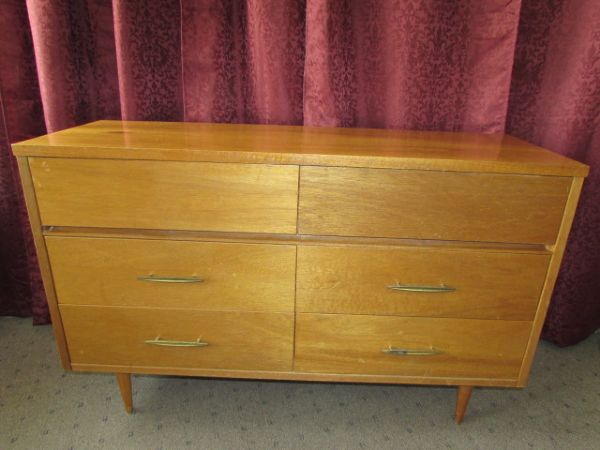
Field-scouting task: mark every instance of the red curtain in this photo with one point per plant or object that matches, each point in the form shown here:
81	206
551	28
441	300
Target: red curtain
555	103
529	67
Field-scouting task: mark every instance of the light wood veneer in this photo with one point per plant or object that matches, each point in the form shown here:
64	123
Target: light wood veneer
431	205
339	343
305	146
166	195
275	246
231	276
117	335
359	280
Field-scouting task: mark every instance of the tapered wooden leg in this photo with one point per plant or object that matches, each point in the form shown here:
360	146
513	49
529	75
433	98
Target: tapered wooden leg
124	380
462	400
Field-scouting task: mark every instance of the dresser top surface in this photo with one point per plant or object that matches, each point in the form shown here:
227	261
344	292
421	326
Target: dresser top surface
278	144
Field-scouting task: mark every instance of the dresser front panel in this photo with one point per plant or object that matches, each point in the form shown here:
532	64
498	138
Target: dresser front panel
419	281
166	195
236	340
212	275
431	205
354	344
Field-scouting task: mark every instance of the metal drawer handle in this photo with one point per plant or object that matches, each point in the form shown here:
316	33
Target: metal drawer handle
411	352
160	279
412	288
169	343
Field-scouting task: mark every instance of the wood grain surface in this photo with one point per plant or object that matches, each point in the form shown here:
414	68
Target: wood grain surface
236	340
242	277
431	205
296	375
43	261
553	270
339	343
322	146
297	232
355	280
166	195
293	239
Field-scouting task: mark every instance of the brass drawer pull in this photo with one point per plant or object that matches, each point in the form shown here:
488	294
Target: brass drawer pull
412	288
169	343
410	352
159	279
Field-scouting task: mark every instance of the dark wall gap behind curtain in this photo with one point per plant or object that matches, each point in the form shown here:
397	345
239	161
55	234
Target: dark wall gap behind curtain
527	67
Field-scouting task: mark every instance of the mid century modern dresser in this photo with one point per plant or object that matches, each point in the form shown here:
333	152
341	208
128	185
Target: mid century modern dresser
297	253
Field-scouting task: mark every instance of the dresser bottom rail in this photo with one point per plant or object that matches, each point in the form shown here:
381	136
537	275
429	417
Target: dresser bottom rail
297	376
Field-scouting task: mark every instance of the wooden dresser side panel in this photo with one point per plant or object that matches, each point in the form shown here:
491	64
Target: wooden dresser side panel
553	269
43	260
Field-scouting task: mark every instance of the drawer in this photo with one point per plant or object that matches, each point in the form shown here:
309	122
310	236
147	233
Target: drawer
166	195
236	340
431	205
420	281
470	348
199	275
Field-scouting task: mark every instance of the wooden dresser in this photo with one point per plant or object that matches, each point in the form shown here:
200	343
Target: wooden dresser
298	253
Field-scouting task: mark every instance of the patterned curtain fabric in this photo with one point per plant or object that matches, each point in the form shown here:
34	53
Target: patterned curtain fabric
21	117
555	103
528	67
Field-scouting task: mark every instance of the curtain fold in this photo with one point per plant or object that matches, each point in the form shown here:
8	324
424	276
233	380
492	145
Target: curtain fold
243	61
555	103
428	65
74	46
147	37
21	117
528	67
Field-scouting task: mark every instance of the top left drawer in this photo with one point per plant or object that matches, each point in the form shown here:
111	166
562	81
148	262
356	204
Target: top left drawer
166	195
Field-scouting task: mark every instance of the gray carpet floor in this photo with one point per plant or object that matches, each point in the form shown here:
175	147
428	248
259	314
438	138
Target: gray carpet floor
41	407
